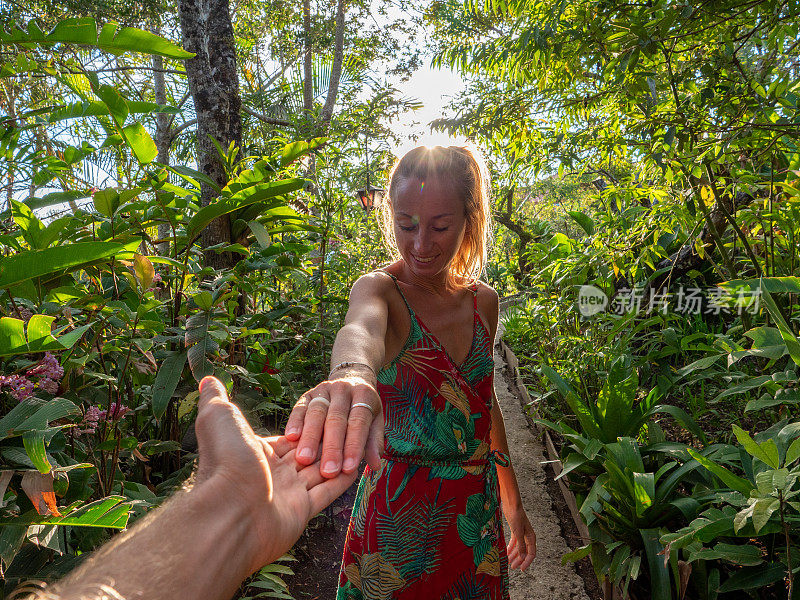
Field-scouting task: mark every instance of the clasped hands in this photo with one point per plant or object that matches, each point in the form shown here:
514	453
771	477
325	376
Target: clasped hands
278	492
344	415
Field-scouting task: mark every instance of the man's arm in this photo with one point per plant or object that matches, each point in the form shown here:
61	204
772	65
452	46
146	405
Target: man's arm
249	505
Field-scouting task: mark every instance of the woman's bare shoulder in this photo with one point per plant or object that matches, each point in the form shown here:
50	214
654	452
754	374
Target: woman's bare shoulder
487	295
376	283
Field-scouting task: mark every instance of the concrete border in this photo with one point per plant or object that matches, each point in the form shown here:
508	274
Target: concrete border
555	462
609	592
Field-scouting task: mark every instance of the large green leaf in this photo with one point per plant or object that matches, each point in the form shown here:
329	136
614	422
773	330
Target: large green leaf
83	31
33	413
246	197
295	150
739	554
167	379
615	400
12	536
139	140
732	481
33	440
792	343
581	411
766	451
750	578
109	512
15	340
96	108
660	584
584	220
200	344
70	257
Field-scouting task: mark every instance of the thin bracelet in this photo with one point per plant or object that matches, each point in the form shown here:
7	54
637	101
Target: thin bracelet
347	364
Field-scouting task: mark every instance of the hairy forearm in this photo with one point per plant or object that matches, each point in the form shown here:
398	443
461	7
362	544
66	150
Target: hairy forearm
172	553
507	479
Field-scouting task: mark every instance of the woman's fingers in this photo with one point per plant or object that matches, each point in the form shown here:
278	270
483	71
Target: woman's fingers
280	444
335	431
294	425
326	491
361	424
512	545
315	405
530	544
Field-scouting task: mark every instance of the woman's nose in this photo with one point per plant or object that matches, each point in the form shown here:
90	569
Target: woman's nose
421	240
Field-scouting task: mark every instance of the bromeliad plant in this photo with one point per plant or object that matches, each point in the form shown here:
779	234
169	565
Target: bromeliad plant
747	540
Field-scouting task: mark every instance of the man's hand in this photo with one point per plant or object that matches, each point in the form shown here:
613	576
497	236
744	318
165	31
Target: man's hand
259	474
333	414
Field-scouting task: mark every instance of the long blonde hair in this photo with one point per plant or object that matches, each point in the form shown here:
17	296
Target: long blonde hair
464	168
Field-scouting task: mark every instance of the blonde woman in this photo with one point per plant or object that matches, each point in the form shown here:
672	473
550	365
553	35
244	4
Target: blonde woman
413	366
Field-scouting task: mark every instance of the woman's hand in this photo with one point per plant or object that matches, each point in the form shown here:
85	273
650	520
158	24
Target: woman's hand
346	417
521	547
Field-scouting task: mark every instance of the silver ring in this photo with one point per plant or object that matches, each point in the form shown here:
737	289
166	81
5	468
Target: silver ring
320	399
365	405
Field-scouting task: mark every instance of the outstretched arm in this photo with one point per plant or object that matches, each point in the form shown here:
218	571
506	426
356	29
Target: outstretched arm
250	503
344	412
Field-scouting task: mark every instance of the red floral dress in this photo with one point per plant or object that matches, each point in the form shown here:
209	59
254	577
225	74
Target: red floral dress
427	524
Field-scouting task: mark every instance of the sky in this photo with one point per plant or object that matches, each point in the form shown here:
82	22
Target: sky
434	88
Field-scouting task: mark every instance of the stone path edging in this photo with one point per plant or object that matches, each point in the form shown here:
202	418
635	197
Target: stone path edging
555	461
546	578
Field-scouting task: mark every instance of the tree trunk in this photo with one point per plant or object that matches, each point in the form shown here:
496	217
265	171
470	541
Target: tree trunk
214	84
308	74
162	139
336	67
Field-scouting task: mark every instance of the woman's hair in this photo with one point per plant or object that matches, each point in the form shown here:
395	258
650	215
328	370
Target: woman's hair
464	169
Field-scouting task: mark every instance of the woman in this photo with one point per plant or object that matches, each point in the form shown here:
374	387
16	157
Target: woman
417	346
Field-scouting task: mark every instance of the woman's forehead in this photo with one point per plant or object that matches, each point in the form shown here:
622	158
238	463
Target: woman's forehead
432	197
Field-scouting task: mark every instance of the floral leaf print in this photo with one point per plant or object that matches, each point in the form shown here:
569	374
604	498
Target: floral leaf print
467	587
479	363
348	591
490	563
411	536
476	526
455	396
480	453
379	579
366	486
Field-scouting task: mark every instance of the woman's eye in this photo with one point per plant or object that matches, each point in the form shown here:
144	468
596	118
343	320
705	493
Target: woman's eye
440	228
409	228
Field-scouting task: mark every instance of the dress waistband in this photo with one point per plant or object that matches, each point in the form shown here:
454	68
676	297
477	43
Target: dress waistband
494	457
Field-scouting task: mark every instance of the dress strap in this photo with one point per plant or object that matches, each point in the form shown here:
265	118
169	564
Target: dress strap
402	295
474	288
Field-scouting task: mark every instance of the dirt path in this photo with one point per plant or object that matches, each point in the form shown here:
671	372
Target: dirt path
319	551
546	579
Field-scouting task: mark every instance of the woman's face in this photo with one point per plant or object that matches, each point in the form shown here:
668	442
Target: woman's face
429	225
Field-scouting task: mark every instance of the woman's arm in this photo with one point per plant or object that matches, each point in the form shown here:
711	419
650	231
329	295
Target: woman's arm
346	432
522	546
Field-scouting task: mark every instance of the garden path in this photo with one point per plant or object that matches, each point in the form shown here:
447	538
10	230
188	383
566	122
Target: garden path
319	550
546	578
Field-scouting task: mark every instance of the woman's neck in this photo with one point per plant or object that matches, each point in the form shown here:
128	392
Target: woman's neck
438	285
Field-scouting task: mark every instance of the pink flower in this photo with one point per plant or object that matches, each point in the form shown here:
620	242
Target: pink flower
48	385
90	419
18	386
118	411
47	368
